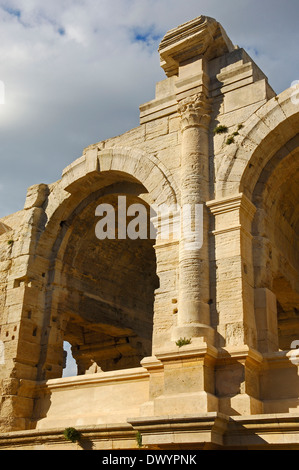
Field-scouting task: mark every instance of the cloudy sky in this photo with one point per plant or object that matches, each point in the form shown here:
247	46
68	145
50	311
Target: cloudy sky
76	71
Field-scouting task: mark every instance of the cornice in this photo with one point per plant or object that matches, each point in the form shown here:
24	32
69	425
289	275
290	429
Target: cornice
203	36
229	204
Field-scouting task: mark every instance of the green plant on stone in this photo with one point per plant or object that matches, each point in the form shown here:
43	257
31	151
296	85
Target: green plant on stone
139	439
71	434
183	342
240	126
230	140
220	129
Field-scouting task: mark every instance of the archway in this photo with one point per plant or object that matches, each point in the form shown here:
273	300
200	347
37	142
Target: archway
261	137
276	245
108	292
263	166
104	299
98	295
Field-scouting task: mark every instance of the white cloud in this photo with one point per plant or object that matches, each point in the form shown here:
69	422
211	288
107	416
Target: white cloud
76	71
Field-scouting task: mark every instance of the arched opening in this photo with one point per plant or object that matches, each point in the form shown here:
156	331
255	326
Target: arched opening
276	247
103	303
109	294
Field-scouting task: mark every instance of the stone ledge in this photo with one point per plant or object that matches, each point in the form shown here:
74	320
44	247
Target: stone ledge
272	431
179	431
111	436
95	379
198	431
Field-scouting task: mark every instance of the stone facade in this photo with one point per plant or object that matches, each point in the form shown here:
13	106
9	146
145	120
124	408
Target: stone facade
215	136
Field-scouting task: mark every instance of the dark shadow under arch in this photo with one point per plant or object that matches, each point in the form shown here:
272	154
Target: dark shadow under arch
100	294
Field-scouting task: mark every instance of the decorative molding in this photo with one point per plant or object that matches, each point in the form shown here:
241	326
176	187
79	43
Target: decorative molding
46	439
230	204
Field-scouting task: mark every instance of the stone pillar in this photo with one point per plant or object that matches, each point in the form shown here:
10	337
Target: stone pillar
237	376
233	265
21	317
193	318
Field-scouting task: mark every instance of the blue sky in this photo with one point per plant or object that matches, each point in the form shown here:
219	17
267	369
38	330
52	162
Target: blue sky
71	366
12	11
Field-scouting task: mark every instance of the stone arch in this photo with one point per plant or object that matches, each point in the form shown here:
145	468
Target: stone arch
262	136
93	171
153	174
275	232
264	166
98	176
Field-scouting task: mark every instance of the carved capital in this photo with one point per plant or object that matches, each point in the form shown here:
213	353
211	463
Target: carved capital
195	111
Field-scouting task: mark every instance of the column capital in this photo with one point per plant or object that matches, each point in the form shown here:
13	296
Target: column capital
195	111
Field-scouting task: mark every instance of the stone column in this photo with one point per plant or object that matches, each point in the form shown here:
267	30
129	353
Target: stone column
193	318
